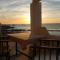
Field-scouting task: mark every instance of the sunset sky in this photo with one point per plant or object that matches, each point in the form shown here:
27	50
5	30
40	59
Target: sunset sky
18	11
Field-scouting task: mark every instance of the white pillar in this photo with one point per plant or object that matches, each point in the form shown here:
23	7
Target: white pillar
35	11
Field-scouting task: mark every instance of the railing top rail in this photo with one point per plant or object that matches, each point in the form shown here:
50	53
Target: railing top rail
49	47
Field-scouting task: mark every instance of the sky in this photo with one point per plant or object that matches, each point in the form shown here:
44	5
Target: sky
50	11
18	11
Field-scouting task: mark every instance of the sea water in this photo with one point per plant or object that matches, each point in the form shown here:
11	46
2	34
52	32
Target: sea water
53	29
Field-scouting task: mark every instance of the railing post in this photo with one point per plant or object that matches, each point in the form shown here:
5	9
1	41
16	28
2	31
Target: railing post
50	54
39	53
2	48
57	51
44	54
32	52
8	52
7	56
16	48
39	48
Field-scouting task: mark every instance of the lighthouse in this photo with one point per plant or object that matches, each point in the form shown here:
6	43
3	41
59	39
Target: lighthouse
36	19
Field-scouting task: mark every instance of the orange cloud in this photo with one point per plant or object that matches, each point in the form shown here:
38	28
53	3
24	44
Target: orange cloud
51	20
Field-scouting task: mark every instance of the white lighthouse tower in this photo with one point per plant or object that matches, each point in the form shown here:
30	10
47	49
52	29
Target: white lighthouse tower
35	12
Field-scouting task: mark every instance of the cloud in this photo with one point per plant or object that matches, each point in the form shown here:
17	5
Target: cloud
52	7
11	9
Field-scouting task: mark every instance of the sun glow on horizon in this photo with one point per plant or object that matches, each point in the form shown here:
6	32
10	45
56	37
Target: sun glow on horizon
27	18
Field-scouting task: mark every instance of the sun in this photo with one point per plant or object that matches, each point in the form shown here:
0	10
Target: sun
27	18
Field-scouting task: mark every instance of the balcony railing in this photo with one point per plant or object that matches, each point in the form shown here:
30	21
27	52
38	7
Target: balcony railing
45	50
6	52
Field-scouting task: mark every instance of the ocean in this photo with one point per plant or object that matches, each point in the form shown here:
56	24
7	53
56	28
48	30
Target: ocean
52	26
53	29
